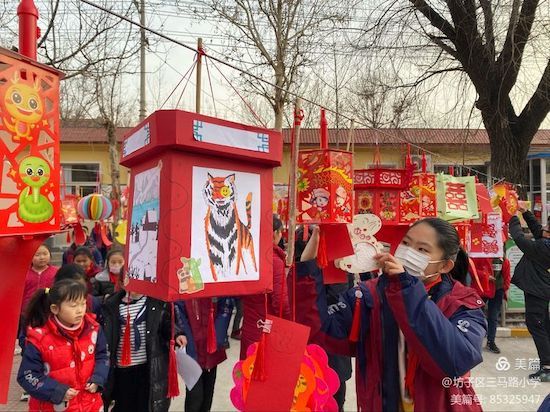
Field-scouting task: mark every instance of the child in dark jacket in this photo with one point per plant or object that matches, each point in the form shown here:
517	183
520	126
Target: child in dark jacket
83	257
532	276
409	328
106	283
65	360
138	379
193	317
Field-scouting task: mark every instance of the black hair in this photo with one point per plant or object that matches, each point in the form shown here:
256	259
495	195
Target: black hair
83	250
47	248
277	223
449	241
299	243
71	271
65	290
114	251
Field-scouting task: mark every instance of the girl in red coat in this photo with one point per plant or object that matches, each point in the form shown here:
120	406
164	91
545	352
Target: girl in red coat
39	275
65	361
254	306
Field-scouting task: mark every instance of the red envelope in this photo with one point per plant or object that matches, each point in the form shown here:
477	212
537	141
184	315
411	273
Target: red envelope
332	275
15	255
285	347
338	242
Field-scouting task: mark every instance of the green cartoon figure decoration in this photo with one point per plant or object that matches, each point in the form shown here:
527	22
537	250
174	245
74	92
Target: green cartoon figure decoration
189	276
33	206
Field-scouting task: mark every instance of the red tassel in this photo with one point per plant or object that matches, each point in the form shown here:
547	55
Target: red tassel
68	238
258	373
305	236
126	358
356	322
322	259
211	345
173	387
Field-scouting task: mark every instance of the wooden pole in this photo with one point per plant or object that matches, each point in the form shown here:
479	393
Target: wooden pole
143	43
350	135
293	180
199	77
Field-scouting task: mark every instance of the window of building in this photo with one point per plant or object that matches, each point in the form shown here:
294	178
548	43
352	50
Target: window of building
80	179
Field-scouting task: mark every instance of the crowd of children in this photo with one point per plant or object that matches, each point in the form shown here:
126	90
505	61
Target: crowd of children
88	344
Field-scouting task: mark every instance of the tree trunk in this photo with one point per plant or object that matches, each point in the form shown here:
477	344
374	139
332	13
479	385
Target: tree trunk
115	167
508	151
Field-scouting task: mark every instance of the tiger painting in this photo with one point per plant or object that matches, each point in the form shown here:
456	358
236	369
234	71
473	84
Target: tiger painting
228	239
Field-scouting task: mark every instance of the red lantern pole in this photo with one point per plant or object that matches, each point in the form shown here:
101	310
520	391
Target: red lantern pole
28	28
324	130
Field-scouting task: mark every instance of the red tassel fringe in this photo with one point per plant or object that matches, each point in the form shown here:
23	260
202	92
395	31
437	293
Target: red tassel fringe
322	259
356	322
126	358
258	373
211	345
173	386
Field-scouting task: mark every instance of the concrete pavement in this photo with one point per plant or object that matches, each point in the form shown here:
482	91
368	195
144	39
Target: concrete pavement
500	381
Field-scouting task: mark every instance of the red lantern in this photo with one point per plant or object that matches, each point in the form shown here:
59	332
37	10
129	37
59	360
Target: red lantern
200	208
378	191
325	184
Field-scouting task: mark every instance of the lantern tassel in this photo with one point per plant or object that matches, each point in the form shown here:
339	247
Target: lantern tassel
173	387
356	322
126	358
322	259
306	233
79	235
211	345
259	371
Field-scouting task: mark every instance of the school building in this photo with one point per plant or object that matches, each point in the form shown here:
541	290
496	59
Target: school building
85	153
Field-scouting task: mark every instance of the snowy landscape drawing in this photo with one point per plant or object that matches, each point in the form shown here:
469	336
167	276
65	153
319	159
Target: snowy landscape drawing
142	264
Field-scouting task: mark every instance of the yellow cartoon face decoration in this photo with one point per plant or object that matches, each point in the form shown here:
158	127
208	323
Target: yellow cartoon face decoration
34	207
22	108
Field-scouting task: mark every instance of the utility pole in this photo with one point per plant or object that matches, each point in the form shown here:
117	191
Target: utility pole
143	41
199	76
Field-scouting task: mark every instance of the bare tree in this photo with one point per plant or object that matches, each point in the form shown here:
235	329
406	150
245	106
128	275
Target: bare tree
487	42
277	36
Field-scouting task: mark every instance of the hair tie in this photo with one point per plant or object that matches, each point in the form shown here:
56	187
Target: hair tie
47	290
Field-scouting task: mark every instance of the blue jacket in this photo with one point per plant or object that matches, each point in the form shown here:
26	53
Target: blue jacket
444	327
192	319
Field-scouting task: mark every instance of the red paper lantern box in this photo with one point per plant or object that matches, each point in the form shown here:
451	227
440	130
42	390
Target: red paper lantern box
378	190
420	200
325	186
29	146
200	207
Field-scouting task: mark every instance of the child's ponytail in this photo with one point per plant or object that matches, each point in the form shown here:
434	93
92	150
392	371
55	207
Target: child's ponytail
38	309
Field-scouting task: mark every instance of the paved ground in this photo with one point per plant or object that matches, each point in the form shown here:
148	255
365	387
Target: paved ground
500	381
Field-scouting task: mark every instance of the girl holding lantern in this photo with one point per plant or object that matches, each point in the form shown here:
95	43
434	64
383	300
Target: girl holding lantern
415	330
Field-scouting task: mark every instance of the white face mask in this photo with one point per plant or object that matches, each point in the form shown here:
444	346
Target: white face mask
115	269
414	261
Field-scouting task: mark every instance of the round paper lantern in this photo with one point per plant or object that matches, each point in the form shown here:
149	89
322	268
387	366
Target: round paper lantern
95	207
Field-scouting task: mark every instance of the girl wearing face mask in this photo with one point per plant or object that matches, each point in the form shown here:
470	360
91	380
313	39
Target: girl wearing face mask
413	329
107	282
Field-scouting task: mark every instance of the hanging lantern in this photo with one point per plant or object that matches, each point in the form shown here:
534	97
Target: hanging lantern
325	183
95	207
456	198
378	190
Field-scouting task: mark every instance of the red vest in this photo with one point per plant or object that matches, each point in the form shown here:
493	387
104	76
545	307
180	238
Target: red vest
68	361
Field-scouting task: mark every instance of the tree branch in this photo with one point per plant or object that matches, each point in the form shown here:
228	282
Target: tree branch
436	20
489	31
509	60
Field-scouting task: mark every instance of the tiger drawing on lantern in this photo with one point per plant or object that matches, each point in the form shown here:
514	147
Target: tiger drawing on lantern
228	239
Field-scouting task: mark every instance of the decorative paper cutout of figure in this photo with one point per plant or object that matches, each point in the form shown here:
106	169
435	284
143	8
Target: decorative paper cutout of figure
365	245
189	276
33	206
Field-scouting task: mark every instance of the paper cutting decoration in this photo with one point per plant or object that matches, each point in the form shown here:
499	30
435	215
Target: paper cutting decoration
29	146
225	224
487	240
365	245
456	198
144	227
200	225
419	201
